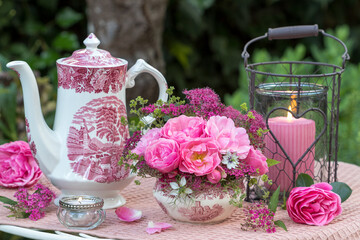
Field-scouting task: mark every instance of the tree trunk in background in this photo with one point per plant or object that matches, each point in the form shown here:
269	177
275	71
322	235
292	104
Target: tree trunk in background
131	29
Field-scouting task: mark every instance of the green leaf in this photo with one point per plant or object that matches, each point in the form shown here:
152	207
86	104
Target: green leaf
8	111
68	17
66	41
48	5
283	206
342	189
274	200
271	162
281	224
7	200
182	53
33	27
304	180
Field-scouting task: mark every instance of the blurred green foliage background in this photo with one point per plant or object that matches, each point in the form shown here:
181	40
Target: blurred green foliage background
202	43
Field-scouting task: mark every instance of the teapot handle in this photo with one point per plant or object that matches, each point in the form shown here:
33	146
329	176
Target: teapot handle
142	67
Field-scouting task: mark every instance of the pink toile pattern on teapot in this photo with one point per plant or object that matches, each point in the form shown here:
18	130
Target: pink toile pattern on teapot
81	153
92	157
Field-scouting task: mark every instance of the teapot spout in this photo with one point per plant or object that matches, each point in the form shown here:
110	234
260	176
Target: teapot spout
44	142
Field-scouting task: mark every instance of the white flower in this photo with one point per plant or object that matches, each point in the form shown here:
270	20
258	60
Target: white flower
231	160
178	190
188	191
182	181
174	185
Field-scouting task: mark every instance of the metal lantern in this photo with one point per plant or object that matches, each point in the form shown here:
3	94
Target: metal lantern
299	101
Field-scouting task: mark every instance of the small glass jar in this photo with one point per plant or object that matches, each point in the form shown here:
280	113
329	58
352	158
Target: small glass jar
81	212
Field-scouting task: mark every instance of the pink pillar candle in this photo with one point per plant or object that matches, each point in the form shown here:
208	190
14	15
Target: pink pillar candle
295	136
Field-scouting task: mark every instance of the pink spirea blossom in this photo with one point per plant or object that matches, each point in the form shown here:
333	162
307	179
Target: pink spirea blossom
132	142
252	125
241	171
183	128
163	154
200	156
314	205
259	217
228	137
204	102
200	96
18	167
34	204
231	112
257	160
151	135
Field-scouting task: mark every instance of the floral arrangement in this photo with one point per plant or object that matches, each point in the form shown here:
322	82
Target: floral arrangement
18	167
196	144
30	206
200	143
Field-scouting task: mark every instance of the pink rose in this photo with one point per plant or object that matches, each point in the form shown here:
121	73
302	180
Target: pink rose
151	135
163	155
257	160
18	167
314	205
183	128
216	175
199	156
229	137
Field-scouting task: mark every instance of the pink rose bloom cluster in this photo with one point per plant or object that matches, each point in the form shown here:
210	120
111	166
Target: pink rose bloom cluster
18	167
314	205
196	146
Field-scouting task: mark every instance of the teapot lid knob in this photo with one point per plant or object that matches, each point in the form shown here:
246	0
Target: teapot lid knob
91	42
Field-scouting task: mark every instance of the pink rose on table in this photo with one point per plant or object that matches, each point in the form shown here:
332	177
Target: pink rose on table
163	155
18	167
314	205
183	128
229	137
151	135
257	160
199	156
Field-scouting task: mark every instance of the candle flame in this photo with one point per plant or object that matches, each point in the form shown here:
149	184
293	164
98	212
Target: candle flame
289	115
80	199
293	103
292	107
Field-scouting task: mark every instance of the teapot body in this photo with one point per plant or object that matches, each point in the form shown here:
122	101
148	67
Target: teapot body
80	154
90	106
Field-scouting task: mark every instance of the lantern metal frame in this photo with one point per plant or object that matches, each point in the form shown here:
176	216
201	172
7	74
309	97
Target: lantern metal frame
298	73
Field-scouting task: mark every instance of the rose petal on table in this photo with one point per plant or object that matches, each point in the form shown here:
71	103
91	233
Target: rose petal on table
157	227
128	214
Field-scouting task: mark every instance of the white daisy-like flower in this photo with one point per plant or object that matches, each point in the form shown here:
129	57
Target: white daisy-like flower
178	190
231	160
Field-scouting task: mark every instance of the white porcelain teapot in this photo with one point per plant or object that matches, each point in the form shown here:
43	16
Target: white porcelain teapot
80	155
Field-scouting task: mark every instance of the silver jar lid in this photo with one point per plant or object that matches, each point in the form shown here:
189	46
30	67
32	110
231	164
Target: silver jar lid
81	202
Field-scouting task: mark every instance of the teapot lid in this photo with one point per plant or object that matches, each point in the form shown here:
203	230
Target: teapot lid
92	56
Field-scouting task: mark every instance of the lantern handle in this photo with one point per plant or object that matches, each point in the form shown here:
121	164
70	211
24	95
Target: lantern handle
293	32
